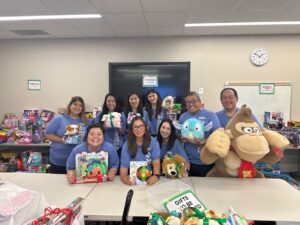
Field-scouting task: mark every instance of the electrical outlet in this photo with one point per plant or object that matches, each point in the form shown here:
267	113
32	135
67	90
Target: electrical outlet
201	91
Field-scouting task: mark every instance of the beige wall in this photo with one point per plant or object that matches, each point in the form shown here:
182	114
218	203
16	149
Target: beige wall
69	67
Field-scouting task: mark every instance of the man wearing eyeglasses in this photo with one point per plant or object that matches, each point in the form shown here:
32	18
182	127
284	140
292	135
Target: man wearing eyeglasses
193	147
229	99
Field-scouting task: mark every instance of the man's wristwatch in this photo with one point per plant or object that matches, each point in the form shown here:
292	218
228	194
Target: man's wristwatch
157	175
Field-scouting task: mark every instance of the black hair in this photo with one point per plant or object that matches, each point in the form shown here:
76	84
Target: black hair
93	125
105	108
128	106
148	104
229	89
172	137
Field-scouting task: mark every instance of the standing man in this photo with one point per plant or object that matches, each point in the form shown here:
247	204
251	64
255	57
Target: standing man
193	147
229	98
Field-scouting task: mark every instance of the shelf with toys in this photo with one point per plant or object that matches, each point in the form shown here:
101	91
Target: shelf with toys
22	141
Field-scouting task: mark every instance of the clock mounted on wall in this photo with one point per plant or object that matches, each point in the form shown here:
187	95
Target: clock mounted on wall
259	56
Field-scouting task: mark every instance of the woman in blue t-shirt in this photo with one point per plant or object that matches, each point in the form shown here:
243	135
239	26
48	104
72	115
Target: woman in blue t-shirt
56	130
168	141
115	136
94	142
155	111
140	146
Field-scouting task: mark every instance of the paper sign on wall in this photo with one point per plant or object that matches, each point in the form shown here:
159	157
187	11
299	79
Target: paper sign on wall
266	88
150	80
34	85
183	200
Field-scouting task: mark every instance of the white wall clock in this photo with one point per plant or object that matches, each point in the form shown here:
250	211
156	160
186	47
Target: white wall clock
259	56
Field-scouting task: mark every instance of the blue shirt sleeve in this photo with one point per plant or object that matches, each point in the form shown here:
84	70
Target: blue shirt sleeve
53	126
71	162
216	122
125	157
155	149
180	150
113	158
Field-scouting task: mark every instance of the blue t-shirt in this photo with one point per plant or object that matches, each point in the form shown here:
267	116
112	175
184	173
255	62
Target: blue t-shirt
177	149
153	154
208	116
60	152
155	122
113	158
111	133
224	119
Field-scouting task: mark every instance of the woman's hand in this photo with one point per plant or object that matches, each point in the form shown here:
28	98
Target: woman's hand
152	180
112	173
71	176
126	180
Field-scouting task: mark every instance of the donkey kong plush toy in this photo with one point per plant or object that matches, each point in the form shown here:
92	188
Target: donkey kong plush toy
242	143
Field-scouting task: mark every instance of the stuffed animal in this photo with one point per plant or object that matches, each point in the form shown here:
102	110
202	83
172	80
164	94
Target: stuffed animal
168	102
193	128
174	166
72	130
112	120
242	143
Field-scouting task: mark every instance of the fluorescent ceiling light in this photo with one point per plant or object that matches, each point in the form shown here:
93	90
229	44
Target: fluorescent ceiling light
242	24
50	17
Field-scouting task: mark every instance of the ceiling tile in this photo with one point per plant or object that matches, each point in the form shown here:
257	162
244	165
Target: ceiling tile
268	30
293	5
117	6
131	32
69	6
199	31
125	20
165	19
233	30
250	15
203	5
64	33
286	15
165	31
165	5
88	23
262	4
207	16
24	7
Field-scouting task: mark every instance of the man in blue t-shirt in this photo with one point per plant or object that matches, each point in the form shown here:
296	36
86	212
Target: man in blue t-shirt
193	147
229	99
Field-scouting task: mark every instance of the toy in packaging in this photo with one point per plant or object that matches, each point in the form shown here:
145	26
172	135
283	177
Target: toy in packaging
34	162
23	137
8	161
31	115
10	121
71	135
46	116
140	172
88	116
273	120
96	111
3	137
91	167
131	115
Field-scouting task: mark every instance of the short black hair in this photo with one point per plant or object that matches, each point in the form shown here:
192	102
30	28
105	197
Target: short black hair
93	125
229	89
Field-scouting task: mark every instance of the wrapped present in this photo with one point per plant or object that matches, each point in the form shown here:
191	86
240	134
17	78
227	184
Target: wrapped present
112	119
64	216
91	167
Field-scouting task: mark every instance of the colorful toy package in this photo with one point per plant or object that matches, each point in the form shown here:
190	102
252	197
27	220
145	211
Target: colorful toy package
31	115
10	121
34	162
91	167
46	116
140	171
71	135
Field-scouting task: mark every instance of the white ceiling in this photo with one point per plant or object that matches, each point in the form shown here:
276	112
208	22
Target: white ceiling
147	18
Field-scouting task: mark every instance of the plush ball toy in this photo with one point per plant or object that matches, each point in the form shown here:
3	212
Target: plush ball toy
242	143
174	166
192	128
112	120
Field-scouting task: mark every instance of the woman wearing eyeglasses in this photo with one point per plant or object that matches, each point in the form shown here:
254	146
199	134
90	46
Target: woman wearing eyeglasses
140	146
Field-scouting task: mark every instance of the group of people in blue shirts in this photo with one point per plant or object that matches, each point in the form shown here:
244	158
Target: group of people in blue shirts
146	134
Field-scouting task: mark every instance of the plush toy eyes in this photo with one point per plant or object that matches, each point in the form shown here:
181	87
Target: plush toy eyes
186	126
197	127
256	130
247	130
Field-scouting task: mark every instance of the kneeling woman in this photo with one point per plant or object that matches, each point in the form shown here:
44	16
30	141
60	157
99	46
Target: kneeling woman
140	146
94	142
168	141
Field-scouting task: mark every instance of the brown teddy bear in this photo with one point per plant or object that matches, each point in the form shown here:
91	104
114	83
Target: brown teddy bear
174	166
242	143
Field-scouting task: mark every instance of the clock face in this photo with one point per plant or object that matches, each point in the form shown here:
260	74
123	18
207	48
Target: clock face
259	56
